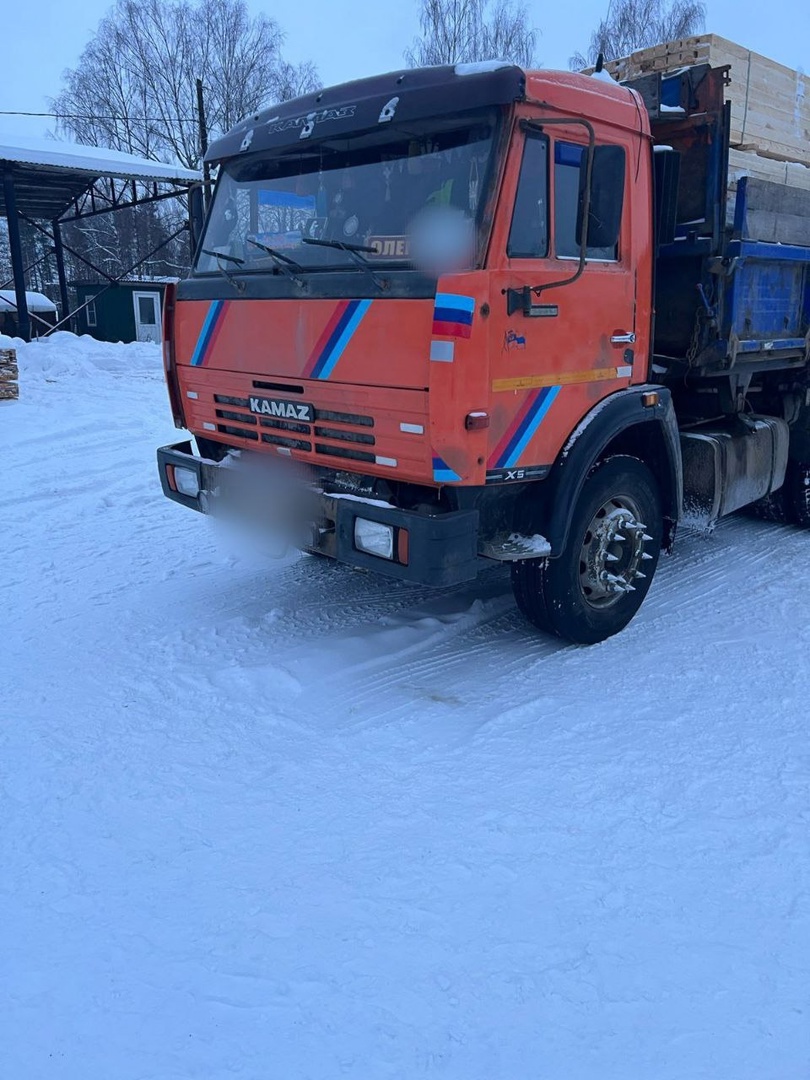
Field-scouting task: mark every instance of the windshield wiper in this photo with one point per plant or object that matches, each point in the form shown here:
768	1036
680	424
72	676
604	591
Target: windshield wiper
284	262
222	255
219	256
356	252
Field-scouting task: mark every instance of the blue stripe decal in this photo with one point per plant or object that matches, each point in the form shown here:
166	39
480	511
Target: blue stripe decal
453	300
206	332
450	314
343	334
525	433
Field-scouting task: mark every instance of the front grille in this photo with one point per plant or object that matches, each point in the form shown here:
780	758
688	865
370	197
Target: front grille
329	424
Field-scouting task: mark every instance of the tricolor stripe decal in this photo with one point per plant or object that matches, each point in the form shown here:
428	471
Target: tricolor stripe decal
453	315
337	334
442	473
210	330
520	433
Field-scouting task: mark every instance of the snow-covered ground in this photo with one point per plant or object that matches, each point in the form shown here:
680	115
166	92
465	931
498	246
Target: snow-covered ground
284	821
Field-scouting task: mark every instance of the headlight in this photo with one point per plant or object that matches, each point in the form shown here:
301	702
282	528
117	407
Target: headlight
186	481
374	538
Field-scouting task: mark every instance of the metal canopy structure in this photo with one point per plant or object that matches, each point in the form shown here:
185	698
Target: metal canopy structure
54	182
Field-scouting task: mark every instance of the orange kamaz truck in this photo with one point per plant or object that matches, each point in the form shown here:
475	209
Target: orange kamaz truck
461	314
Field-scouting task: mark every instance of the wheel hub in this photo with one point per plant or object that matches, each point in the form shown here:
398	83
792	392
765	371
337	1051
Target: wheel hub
613	549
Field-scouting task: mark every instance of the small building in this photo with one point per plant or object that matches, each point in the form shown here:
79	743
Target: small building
124	311
42	312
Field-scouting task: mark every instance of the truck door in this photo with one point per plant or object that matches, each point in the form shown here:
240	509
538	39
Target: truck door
557	352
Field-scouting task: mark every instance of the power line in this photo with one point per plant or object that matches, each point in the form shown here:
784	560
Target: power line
80	116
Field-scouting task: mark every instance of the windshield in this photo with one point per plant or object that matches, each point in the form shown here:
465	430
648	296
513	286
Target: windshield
378	193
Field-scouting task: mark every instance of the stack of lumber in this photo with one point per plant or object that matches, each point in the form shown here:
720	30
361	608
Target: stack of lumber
9	374
770	103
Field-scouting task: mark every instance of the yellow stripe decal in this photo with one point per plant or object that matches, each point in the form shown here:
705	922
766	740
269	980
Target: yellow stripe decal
563	378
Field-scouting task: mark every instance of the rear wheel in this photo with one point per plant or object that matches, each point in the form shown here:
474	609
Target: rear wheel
797	492
773	507
596	585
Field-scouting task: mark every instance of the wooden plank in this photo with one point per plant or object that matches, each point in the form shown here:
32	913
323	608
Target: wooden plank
9	374
776	213
770	103
745	163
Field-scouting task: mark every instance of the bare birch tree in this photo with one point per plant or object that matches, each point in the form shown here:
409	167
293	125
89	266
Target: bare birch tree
637	24
134	89
464	31
134	86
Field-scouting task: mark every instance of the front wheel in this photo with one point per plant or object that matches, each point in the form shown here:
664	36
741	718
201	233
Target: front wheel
596	585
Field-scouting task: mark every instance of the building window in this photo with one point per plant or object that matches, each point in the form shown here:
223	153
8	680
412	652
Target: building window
147	310
90	311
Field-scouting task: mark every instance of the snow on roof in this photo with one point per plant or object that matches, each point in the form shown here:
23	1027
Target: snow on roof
93	160
482	67
36	301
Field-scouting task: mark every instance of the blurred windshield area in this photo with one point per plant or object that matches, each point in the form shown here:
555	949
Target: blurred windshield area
374	191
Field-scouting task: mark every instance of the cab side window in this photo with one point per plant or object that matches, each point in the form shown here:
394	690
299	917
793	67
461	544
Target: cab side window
569	166
528	236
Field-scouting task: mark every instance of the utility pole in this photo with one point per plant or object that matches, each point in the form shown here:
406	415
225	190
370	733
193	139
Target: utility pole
204	144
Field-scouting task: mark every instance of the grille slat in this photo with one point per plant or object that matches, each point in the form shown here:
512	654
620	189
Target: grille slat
282	389
344	418
279	440
345	436
343	452
287	425
241	418
241	433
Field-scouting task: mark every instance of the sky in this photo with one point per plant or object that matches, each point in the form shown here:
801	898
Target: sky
351	40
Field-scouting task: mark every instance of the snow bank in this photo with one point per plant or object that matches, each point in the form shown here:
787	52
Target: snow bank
62	354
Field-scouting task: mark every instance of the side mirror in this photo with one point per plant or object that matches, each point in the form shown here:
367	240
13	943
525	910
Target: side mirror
607	197
196	215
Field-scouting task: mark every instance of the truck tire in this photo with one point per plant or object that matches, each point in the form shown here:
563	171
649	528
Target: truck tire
797	492
597	584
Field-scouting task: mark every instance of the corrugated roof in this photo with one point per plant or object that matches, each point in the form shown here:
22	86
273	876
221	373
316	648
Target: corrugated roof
90	160
49	175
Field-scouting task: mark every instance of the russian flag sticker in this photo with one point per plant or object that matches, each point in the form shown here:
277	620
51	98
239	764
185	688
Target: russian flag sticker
453	315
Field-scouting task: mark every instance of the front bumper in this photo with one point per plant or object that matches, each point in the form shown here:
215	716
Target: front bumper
429	549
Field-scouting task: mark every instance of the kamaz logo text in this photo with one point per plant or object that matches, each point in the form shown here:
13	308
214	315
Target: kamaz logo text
307	123
286	410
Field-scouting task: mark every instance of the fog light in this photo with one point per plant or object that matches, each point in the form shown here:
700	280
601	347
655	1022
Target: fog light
186	481
374	538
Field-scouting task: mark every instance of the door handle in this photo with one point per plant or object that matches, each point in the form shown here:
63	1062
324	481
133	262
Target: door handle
623	339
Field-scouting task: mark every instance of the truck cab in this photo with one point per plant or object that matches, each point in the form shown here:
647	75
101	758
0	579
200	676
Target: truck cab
418	335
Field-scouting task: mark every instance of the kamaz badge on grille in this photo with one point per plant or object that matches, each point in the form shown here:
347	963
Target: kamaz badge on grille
286	410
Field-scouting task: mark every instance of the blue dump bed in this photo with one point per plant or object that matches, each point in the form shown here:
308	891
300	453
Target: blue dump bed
763	299
732	283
